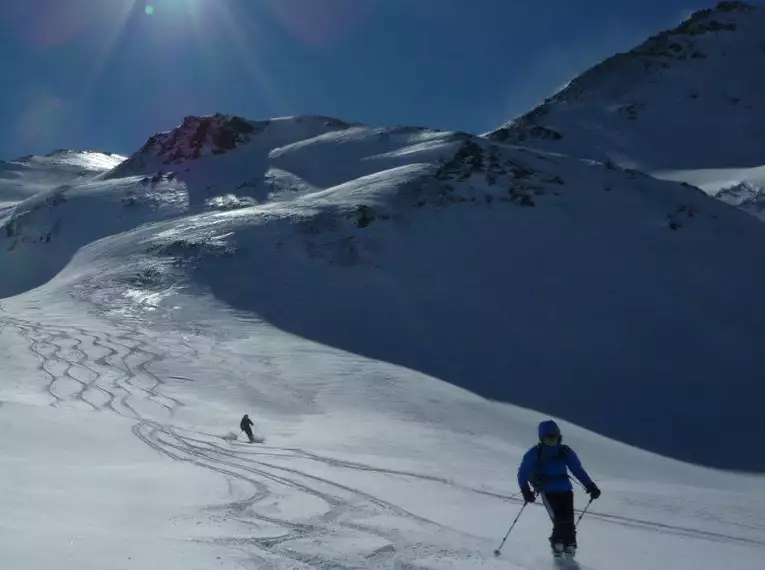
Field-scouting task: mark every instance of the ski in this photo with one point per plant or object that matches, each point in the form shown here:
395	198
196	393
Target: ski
564	560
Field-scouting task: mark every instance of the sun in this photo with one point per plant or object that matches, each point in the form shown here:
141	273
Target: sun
210	40
150	7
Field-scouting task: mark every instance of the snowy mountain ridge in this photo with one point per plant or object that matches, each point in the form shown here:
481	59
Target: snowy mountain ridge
29	175
685	99
281	164
746	196
214	134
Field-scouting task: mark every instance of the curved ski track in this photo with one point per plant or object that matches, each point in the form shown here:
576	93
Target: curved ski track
103	372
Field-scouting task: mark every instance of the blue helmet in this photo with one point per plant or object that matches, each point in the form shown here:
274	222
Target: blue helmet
548	428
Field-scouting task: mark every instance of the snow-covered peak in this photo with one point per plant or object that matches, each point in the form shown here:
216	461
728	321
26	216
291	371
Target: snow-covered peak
28	175
85	160
218	134
195	136
687	98
746	196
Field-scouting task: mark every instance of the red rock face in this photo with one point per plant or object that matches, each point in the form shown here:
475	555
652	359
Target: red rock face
215	134
196	136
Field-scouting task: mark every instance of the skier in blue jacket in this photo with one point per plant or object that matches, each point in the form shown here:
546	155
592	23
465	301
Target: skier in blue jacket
545	466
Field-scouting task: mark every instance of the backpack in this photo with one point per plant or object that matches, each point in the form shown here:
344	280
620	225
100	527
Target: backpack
538	479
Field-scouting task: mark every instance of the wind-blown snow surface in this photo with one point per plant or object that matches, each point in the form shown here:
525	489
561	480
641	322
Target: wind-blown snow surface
686	99
340	284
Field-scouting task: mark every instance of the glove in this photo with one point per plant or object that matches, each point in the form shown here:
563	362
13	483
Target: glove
593	491
528	494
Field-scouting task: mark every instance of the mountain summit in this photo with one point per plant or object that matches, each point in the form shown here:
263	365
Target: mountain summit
687	98
211	135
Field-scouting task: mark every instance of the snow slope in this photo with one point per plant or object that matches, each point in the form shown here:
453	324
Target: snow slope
396	309
366	465
399	237
686	99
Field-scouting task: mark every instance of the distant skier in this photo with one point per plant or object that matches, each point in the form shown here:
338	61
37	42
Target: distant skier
546	467
246	426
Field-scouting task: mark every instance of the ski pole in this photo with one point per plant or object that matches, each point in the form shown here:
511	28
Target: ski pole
497	551
583	511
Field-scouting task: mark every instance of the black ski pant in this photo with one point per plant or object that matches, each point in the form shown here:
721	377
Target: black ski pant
248	431
560	507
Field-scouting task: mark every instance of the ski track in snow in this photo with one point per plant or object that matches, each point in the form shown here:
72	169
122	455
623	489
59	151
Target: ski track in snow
102	372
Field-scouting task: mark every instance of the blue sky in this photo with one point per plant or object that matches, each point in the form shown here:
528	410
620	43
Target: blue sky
106	74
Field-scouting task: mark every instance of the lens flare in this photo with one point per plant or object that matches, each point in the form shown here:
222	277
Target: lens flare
181	43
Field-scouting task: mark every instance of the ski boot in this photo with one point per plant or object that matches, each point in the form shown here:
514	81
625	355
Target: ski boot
570	550
557	549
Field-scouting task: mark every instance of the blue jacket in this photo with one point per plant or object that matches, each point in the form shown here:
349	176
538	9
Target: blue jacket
546	468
